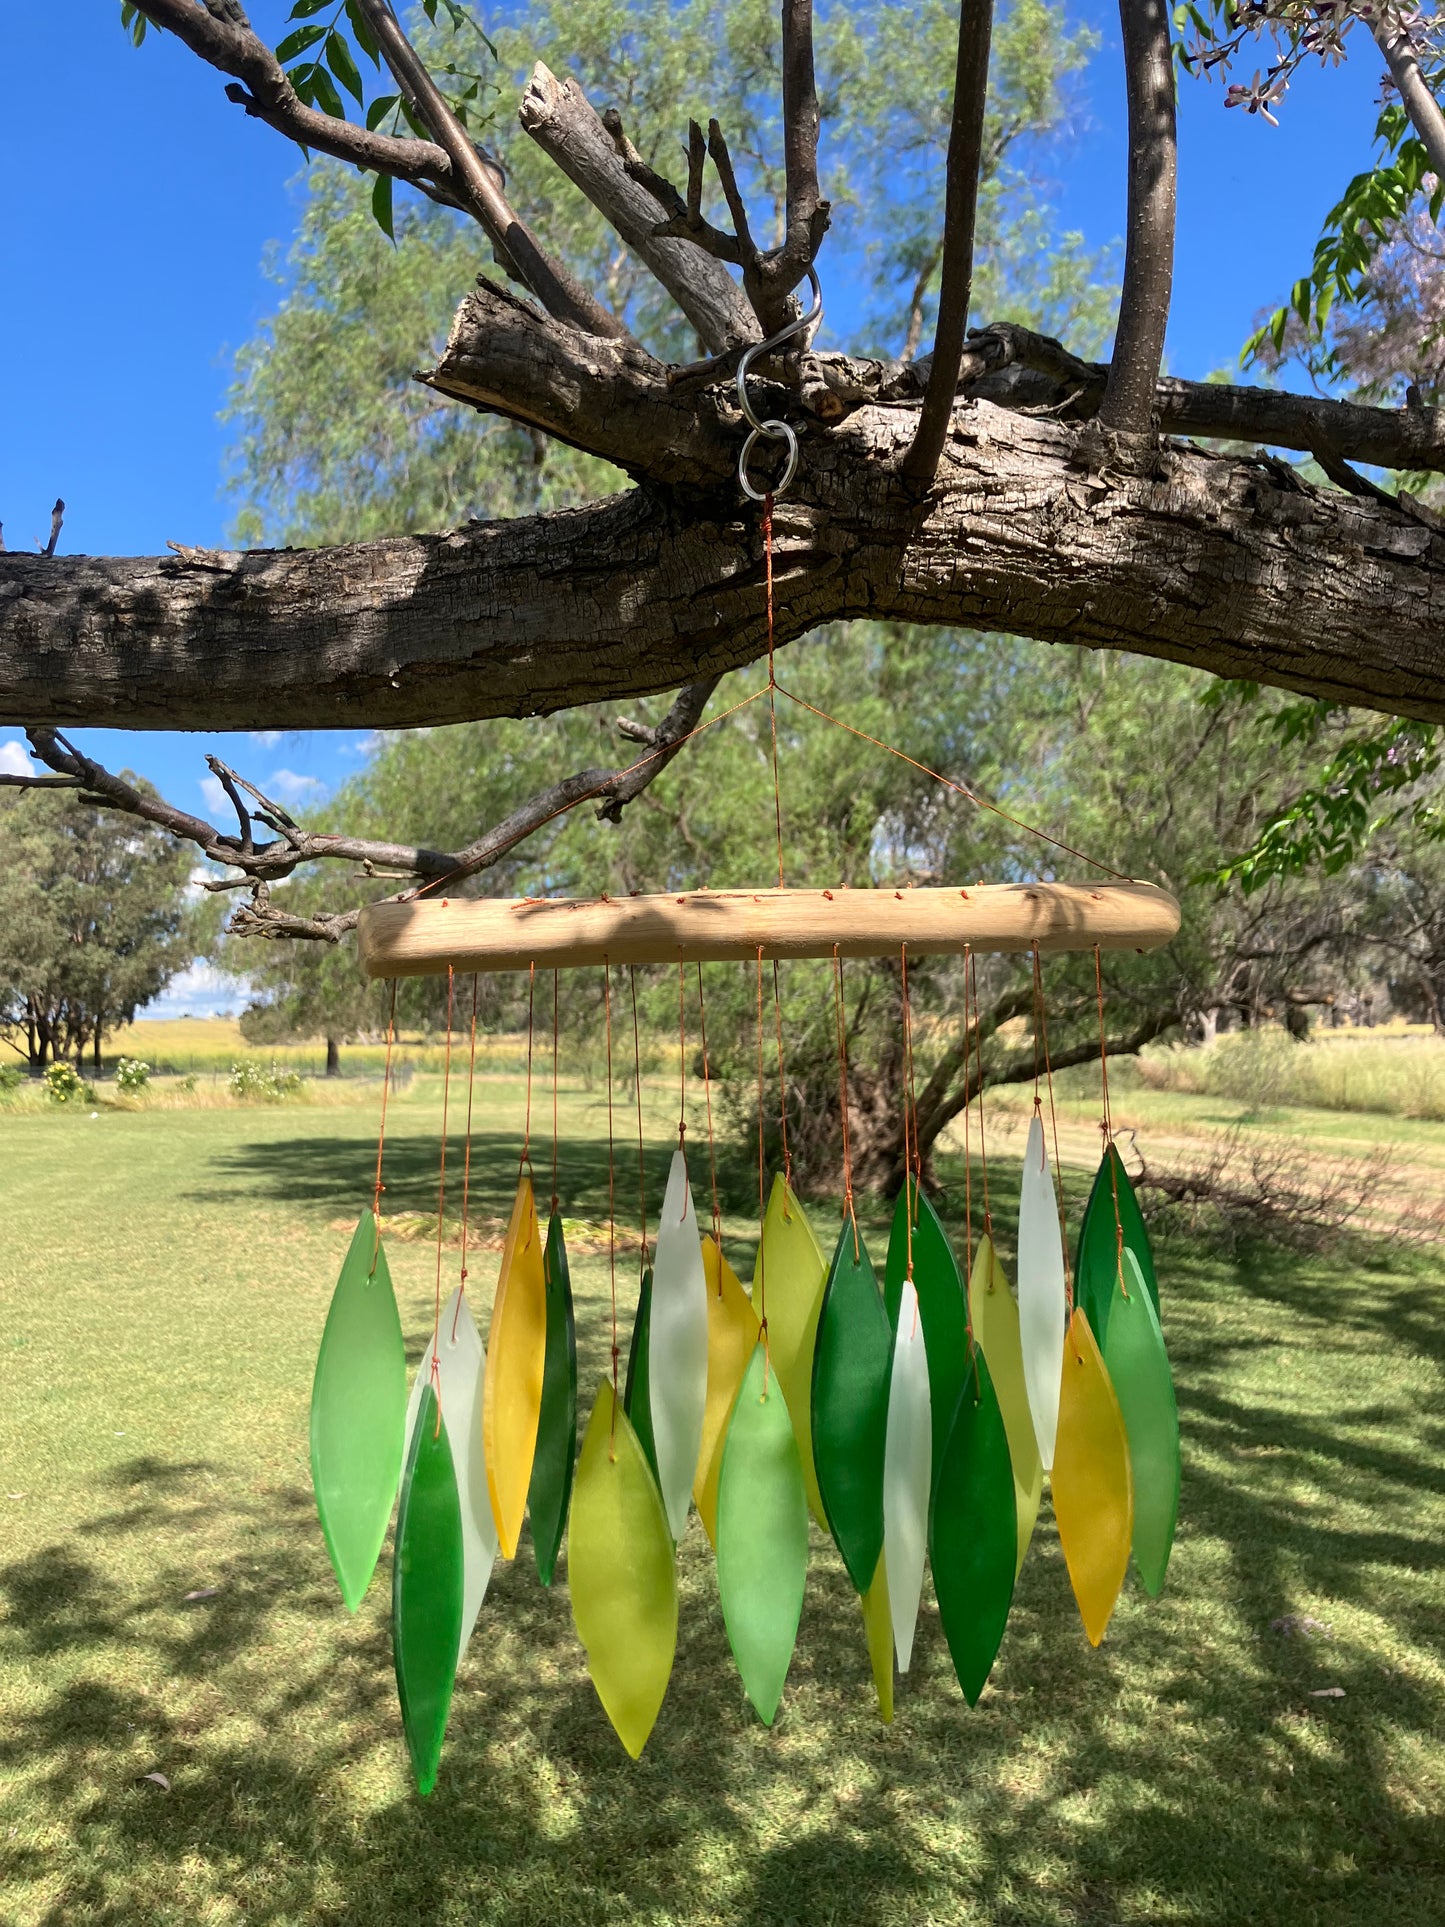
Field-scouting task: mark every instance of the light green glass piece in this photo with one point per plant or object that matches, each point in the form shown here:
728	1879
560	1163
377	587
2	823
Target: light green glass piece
996	1333
762	1535
1138	1365
941	1306
427	1591
358	1413
788	1276
851	1364
550	1492
677	1347
637	1393
973	1538
1096	1271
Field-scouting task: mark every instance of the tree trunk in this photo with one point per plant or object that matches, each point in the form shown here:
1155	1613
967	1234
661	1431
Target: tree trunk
95	1048
333	1057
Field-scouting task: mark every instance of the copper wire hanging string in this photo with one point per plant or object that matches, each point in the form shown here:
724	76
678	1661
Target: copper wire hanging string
1041	1025
467	1157
555	1029
772	676
637	1091
967	1147
910	1168
436	1328
711	1147
526	1157
762	1190
611	1198
782	1078
1107	1126
971	970
838	1007
381	1133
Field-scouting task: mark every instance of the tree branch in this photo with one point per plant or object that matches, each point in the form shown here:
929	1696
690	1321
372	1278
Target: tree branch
1395	43
965	160
1149	246
806	213
560	119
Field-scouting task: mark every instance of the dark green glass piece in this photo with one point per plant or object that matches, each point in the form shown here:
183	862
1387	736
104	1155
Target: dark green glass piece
973	1533
550	1492
637	1394
852	1361
762	1535
942	1307
426	1591
1138	1364
358	1413
1096	1270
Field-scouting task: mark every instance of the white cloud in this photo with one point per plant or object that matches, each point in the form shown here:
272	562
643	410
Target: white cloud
267	738
217	800
13	759
291	787
201	991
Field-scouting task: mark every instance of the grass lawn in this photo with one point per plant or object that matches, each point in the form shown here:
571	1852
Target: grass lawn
164	1277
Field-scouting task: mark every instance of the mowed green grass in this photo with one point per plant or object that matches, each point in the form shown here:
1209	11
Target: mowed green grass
164	1278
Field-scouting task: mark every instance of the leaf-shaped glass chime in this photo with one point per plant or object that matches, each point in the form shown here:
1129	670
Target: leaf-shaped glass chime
851	1364
1096	1274
973	1535
622	1575
550	1491
996	1332
358	1412
516	1363
460	1369
1041	1290
1138	1365
790	1266
732	1332
427	1589
762	1535
939	1285
637	1392
677	1350
1091	1481
878	1631
907	1471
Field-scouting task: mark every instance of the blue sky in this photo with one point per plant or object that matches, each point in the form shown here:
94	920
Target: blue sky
139	214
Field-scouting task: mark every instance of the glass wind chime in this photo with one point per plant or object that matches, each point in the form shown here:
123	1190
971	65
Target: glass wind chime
914	1418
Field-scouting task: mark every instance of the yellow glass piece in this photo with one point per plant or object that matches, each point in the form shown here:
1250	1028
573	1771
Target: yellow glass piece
878	1625
995	1319
790	1262
732	1332
516	1358
621	1573
1092	1483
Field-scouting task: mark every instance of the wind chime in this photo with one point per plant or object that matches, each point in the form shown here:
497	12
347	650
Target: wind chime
915	1421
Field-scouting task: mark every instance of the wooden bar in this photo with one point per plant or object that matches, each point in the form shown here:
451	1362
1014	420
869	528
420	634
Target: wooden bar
712	926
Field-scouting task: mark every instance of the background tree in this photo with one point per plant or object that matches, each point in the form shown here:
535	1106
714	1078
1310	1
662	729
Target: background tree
93	922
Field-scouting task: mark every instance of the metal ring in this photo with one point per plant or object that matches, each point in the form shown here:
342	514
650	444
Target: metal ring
777	432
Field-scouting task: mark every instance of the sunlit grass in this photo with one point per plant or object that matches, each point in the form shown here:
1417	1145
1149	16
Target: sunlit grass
163	1281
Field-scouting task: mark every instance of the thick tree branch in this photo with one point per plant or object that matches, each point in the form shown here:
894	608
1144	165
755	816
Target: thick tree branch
1228	565
232	47
1393	37
806	213
559	117
965	160
478	182
1149	245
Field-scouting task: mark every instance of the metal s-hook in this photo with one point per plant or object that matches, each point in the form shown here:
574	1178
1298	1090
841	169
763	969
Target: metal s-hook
774	430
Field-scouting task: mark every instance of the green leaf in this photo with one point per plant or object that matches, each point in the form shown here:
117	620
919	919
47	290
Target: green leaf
365	38
303	9
342	63
327	98
381	206
377	112
297	43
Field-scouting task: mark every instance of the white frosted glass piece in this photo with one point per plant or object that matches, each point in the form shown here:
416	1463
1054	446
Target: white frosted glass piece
460	1372
907	1471
677	1361
1041	1291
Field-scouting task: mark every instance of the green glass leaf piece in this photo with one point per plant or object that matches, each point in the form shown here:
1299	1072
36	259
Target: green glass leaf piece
358	1413
996	1332
762	1535
622	1574
878	1632
426	1591
1138	1364
788	1275
941	1306
907	1474
550	1492
851	1364
457	1371
973	1534
637	1393
1096	1270
677	1346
